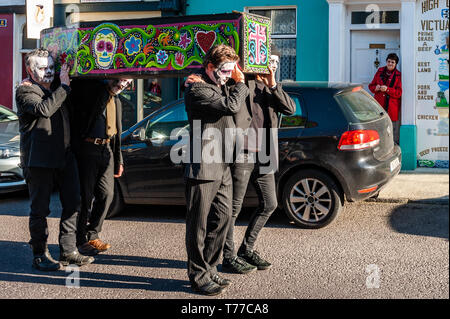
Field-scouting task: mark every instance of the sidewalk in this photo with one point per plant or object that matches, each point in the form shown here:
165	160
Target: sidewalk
423	185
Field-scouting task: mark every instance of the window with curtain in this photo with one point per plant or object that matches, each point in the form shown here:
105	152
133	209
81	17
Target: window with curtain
284	38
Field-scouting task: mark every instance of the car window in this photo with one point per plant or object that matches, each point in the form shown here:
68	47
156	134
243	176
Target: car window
7	115
162	125
295	120
360	105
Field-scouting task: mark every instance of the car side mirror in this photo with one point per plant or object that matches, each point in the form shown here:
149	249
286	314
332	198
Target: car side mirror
138	135
157	140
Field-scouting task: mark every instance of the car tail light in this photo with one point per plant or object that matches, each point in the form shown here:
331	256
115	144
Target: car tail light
358	140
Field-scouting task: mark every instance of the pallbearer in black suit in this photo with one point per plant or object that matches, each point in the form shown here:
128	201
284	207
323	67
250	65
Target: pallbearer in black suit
96	128
211	103
47	159
266	98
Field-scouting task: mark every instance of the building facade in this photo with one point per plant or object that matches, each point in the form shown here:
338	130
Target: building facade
299	32
363	32
317	40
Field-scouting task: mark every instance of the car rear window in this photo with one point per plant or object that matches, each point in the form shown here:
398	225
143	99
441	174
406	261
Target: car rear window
360	104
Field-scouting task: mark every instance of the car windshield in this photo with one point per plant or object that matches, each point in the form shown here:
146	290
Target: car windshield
6	115
360	104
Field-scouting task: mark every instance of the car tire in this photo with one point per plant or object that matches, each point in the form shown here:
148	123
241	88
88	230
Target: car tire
117	203
311	199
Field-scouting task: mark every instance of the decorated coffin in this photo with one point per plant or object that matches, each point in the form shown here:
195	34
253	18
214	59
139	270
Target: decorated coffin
170	46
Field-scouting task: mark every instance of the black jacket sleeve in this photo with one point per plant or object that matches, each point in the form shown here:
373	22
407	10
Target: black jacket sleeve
30	100
205	97
281	101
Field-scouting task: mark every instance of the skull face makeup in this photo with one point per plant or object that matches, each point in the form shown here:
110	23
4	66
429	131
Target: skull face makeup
117	86
274	62
42	69
105	45
223	73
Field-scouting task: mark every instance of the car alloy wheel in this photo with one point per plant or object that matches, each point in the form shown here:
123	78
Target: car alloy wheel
311	198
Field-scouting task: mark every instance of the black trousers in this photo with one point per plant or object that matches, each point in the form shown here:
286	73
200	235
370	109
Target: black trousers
208	217
96	166
41	183
265	187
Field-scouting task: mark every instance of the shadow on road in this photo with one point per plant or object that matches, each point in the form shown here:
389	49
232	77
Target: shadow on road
17	268
139	261
177	214
18	204
419	218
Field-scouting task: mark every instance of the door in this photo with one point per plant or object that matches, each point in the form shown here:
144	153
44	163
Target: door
369	50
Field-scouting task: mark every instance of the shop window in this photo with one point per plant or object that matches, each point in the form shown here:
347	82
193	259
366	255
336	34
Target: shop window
284	38
128	99
152	95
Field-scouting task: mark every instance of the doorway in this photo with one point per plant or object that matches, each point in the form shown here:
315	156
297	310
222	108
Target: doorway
369	50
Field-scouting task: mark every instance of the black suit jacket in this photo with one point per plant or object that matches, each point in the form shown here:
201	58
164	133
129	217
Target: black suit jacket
276	101
214	107
41	125
87	101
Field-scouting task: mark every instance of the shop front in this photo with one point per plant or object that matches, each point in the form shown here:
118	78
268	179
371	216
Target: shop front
362	33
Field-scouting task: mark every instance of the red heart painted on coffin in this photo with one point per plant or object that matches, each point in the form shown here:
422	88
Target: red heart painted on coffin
205	40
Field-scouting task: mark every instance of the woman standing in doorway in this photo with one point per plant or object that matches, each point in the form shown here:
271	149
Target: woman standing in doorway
387	87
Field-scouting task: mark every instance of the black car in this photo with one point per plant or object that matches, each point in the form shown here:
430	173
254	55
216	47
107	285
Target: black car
337	146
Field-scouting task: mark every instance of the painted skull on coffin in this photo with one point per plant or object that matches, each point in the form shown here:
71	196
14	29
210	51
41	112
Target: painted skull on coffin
105	46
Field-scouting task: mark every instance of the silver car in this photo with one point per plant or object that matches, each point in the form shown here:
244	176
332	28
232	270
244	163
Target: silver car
11	176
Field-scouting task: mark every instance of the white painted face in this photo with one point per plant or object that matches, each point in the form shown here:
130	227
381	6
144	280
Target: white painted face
42	69
274	61
223	73
117	86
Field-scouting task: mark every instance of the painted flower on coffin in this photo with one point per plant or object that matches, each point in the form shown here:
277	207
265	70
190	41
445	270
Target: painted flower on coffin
133	45
161	56
184	41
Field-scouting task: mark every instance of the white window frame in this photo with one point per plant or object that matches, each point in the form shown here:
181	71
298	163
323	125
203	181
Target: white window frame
358	27
382	7
280	36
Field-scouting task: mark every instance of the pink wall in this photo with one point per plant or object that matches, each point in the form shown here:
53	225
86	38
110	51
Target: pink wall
6	60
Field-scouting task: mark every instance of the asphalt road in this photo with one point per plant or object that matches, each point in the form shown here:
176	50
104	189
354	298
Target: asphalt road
372	250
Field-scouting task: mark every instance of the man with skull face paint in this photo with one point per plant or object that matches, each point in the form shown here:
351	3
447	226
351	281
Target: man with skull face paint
46	159
266	98
210	104
96	129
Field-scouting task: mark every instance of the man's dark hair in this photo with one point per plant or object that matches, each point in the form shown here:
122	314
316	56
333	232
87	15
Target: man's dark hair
219	54
393	56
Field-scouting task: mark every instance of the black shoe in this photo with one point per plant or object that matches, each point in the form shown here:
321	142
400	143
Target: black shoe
87	250
45	262
253	258
209	289
237	265
75	258
222	282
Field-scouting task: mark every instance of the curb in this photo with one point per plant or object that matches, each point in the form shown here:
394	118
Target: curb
422	170
431	201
